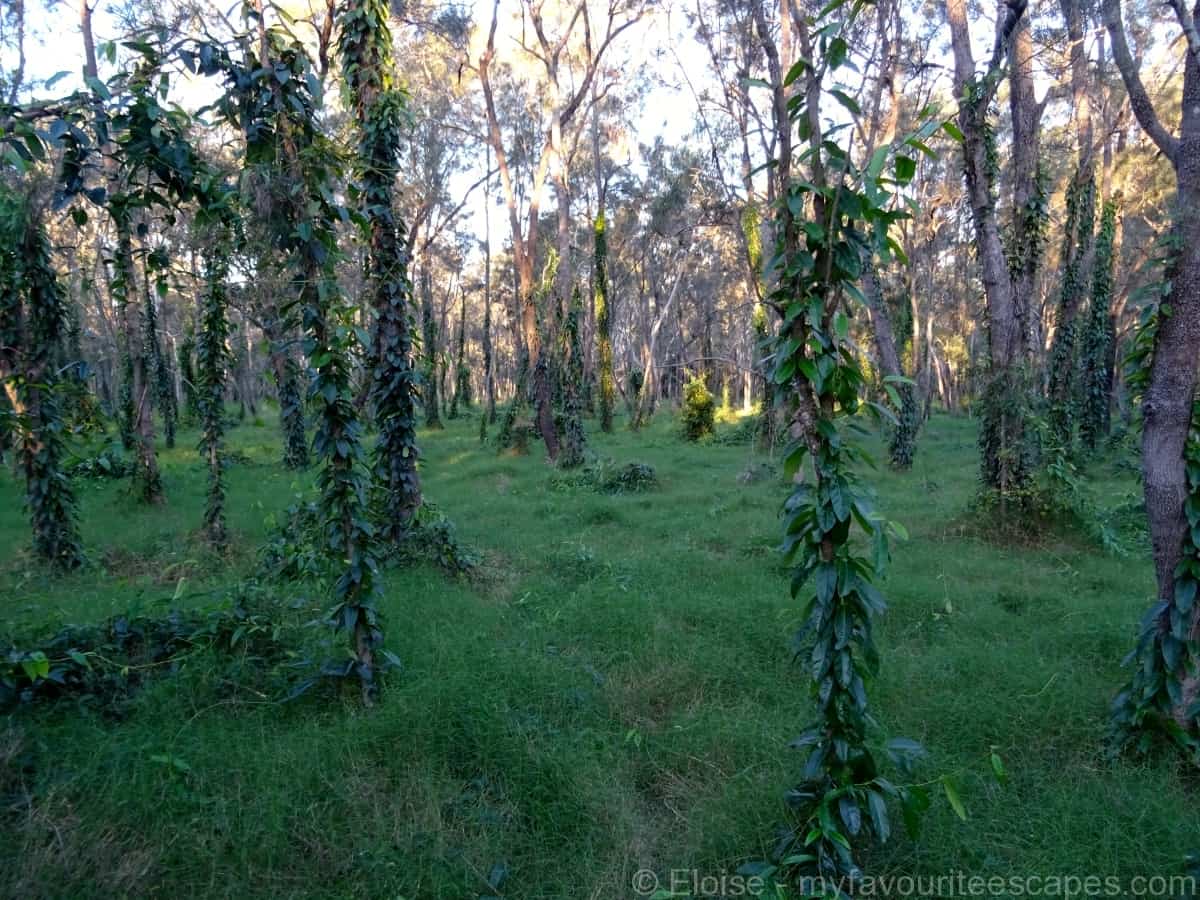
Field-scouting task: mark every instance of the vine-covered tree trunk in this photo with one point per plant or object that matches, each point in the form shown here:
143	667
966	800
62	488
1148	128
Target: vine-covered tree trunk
1027	236
819	375
187	375
462	373
574	440
164	389
31	333
211	363
1096	352
1077	239
368	67
433	417
489	363
604	349
1003	440
286	373
147	477
903	440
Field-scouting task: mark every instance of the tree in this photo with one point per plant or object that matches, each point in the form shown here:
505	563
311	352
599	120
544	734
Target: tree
212	355
1003	433
32	320
1167	682
604	349
825	220
367	66
567	73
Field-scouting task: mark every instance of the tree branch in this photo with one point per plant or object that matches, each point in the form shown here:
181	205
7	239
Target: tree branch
1139	100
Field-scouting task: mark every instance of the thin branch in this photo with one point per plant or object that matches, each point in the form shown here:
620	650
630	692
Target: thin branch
1139	100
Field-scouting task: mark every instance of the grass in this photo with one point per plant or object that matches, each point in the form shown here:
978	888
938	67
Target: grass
612	692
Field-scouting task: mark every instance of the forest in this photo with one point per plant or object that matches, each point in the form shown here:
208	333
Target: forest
599	449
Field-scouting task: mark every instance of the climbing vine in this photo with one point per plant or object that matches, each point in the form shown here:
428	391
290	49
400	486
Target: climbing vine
1077	234
1095	379
429	375
1031	222
834	538
211	360
164	389
604	349
574	441
187	374
275	105
365	43
32	322
462	372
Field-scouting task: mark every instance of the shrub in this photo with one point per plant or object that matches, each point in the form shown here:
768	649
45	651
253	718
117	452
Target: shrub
745	432
699	410
631	478
110	462
606	477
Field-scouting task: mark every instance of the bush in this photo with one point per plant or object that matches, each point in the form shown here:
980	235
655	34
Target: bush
698	414
631	478
606	477
1052	502
745	432
110	462
294	550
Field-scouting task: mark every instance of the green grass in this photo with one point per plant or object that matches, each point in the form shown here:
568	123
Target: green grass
611	692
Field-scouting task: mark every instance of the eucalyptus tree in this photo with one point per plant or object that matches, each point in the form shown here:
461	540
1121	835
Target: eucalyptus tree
738	64
462	371
1004	432
1165	686
567	49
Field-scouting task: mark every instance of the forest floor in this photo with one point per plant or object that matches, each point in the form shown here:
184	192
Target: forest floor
610	691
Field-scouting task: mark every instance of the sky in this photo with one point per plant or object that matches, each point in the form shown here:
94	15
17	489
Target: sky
54	47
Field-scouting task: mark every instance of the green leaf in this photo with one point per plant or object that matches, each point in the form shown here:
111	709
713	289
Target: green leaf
878	158
956	803
906	168
847	101
837	53
879	815
99	88
796	71
998	767
953	130
36	665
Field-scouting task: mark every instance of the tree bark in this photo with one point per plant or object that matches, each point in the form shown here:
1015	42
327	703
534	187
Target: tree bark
1167	407
1003	430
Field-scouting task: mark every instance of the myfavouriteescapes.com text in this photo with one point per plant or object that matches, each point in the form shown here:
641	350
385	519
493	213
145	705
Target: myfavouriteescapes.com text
948	886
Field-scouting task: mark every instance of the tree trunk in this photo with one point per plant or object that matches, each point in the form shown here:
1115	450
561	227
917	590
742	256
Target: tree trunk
1002	438
1167	407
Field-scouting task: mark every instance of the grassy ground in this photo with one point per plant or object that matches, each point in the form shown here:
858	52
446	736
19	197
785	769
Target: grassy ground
612	692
